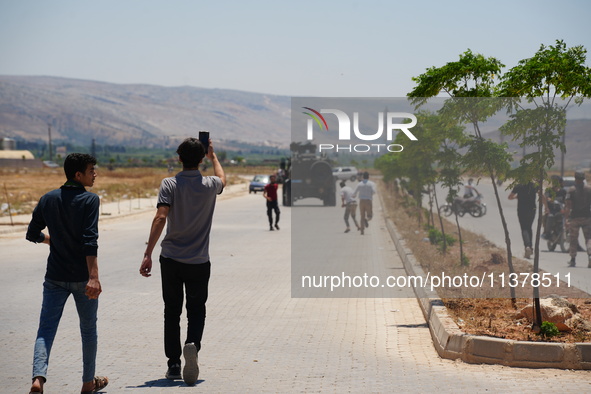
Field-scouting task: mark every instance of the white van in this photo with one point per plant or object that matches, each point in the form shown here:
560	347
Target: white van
345	173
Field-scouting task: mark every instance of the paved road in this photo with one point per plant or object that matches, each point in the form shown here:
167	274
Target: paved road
257	337
490	226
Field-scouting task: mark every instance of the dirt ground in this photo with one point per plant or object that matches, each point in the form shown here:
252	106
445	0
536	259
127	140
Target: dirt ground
22	188
492	315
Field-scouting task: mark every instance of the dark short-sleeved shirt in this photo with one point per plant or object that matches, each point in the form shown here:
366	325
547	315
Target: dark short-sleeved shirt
71	216
526	197
271	190
191	198
580	198
556	198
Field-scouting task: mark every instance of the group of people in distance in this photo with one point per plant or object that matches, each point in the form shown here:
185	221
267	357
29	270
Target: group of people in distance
364	191
574	203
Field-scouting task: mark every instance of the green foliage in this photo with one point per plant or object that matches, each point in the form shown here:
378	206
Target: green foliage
485	156
549	81
465	261
548	330
417	164
436	237
426	153
471	82
554	71
473	75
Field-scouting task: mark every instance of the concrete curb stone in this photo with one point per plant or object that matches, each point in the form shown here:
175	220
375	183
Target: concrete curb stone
451	343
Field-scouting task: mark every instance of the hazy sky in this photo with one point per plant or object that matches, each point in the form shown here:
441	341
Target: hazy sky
293	48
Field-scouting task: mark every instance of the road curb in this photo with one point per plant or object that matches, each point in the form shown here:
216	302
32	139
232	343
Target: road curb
451	343
22	221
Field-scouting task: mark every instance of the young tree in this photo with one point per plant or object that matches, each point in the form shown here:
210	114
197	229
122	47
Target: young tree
437	150
471	83
450	171
551	80
418	159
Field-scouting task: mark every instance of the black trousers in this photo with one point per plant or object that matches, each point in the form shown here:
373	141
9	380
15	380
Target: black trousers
273	206
526	219
195	279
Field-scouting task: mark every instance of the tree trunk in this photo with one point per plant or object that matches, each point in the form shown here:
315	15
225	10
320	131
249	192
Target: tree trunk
440	220
460	240
503	222
537	324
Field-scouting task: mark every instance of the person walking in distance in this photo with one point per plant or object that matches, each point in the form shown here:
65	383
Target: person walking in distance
526	212
71	215
186	203
365	190
350	205
578	216
270	194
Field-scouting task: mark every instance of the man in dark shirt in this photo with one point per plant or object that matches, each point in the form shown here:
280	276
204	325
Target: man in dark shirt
578	216
526	212
70	214
270	194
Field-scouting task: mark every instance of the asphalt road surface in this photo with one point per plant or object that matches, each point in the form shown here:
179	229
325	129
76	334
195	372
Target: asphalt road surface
490	226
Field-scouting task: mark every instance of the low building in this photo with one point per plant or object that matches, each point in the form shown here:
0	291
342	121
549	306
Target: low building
19	158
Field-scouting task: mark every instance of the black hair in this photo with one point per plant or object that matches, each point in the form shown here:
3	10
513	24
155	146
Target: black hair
191	152
366	175
77	162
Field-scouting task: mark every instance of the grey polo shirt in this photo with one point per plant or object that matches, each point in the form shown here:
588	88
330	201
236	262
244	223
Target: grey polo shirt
191	198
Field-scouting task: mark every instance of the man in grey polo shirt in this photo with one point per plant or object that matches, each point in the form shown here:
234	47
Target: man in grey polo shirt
365	190
186	202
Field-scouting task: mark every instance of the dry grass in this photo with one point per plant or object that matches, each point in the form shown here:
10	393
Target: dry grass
23	187
478	312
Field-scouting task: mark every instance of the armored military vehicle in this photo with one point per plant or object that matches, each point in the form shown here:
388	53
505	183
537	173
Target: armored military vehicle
308	176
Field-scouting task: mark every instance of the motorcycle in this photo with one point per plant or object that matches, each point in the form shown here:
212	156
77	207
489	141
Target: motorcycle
474	206
557	233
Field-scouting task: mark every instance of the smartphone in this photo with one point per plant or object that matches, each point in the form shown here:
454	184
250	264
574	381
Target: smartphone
204	138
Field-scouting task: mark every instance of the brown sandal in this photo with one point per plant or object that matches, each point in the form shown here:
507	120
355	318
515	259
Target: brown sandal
100	382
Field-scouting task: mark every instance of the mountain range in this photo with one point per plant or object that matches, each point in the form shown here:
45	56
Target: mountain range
80	111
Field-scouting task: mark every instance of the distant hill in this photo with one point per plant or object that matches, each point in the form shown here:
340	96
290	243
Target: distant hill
137	115
156	116
578	145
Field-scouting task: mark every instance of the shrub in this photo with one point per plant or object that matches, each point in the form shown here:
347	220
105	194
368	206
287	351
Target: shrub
548	330
436	237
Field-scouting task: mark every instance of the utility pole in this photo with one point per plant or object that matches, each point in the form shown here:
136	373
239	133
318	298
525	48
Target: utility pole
562	155
50	147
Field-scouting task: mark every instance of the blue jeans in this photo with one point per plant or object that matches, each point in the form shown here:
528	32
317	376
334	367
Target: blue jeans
55	295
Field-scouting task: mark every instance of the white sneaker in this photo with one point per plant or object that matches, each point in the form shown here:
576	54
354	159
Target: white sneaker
191	369
528	252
